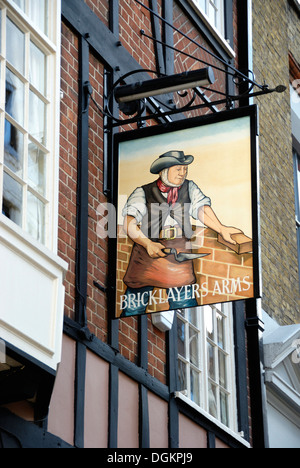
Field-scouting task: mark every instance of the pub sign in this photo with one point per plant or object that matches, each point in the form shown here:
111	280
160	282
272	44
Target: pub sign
186	222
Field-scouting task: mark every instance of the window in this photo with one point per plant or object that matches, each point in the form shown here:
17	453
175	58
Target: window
295	107
37	11
28	114
29	156
206	360
297	200
214	10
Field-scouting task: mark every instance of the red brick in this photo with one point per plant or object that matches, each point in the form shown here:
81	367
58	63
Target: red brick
228	257
215	269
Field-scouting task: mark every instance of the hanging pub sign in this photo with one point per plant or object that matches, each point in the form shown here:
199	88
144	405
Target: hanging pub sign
187	229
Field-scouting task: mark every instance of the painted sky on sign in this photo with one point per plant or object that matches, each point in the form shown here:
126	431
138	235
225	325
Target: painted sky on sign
221	168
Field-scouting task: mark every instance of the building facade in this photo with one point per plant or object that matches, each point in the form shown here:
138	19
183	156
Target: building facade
200	377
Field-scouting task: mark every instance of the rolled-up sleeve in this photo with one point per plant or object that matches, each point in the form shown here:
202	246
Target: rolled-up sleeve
136	205
198	199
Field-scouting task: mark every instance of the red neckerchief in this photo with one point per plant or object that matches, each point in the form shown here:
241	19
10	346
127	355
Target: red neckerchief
171	191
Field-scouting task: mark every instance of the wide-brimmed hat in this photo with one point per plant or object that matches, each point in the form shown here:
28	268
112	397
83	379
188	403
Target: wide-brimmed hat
169	159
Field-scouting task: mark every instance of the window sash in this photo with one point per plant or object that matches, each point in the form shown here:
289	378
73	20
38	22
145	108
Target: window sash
297	201
37	12
213	370
214	11
32	178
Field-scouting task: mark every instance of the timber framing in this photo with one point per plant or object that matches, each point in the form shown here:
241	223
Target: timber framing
104	42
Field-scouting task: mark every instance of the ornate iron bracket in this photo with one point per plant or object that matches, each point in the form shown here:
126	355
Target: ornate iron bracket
157	109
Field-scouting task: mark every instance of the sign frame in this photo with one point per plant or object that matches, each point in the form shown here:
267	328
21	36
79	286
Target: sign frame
168	131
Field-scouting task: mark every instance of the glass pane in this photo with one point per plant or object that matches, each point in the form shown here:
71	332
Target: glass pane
182	375
14	97
212	400
20	3
224	408
181	338
15	48
213	13
192	316
220	330
37	109
209	323
12	199
36	168
38	13
37	68
222	370
211	361
202	5
35	217
194	358
195	388
13	148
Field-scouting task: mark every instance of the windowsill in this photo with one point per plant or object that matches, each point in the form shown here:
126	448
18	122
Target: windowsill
197	408
217	35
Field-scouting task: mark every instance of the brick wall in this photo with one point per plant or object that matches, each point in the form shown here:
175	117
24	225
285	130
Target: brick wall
199	59
98	252
100	8
68	162
278	241
132	19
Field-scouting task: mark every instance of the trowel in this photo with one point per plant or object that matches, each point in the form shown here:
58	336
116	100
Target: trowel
182	256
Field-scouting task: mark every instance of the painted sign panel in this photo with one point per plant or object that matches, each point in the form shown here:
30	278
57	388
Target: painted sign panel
186	214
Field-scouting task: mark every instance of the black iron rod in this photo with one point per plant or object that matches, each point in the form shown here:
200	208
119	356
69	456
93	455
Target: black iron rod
236	72
192	108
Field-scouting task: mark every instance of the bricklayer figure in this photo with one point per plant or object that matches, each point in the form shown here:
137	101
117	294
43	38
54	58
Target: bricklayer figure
157	217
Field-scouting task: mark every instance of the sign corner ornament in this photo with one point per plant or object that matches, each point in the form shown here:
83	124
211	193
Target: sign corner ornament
187	214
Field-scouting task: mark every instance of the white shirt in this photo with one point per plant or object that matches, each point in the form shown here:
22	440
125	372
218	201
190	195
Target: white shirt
137	208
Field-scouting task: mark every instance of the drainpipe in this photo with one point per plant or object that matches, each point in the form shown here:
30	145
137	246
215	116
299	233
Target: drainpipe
254	324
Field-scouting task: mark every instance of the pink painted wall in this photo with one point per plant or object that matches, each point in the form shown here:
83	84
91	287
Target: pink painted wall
61	413
220	444
158	421
190	434
96	402
128	420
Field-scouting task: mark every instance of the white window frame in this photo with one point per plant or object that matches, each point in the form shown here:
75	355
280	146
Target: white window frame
297	202
226	311
50	44
295	112
31	273
218	7
217	32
